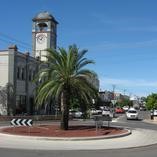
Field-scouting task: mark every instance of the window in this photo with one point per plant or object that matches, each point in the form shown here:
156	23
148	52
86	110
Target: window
30	75
23	74
33	74
22	99
18	72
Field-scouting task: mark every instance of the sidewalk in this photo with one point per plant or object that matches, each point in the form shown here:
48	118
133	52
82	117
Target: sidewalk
138	138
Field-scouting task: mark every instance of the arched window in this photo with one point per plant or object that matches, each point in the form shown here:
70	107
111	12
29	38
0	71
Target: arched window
42	27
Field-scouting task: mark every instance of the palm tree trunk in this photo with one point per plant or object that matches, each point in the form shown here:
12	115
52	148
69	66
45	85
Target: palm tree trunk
64	111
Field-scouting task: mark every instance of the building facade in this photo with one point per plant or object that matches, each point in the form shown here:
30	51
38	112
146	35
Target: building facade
17	71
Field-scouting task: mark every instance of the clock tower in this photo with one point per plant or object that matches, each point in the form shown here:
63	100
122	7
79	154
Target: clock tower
44	34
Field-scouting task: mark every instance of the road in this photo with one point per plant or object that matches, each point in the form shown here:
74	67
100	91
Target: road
121	121
149	151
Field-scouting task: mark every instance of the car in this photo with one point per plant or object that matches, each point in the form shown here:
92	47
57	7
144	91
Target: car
125	108
119	110
95	112
75	114
132	114
106	112
143	108
78	114
154	112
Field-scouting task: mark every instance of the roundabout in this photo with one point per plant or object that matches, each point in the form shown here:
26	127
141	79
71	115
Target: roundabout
75	132
138	138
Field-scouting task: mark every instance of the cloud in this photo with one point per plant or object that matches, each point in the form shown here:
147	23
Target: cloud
140	29
129	24
124	45
138	87
127	82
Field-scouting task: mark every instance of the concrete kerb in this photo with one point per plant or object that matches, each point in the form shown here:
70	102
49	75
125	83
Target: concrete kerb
126	133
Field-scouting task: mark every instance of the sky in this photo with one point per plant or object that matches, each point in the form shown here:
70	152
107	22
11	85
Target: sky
120	35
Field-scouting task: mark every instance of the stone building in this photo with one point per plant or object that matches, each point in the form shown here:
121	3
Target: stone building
17	69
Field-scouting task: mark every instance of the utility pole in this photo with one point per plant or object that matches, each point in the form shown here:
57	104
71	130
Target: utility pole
113	87
113	101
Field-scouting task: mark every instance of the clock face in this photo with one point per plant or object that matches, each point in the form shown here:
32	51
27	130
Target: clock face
41	38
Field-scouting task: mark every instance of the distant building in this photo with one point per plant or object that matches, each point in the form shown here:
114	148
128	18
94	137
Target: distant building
106	97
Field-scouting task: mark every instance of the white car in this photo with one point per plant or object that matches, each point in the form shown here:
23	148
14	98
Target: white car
154	112
75	114
132	114
107	112
78	114
125	108
95	112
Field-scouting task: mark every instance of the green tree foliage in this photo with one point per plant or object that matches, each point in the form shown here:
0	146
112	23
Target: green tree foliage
151	101
7	97
123	102
65	77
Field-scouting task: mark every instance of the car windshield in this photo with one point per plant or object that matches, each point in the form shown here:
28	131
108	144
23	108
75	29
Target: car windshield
132	111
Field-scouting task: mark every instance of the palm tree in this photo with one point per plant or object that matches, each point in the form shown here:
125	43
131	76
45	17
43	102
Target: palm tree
63	77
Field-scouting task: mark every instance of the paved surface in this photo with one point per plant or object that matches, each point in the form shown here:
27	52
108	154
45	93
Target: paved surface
143	134
149	151
139	137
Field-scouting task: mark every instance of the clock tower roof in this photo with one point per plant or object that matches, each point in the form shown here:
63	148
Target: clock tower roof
44	16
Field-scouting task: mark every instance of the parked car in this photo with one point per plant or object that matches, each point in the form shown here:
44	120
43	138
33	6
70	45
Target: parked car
132	114
119	110
125	108
143	108
107	112
154	112
95	112
75	114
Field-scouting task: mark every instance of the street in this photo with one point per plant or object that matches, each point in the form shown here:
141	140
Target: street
134	152
121	121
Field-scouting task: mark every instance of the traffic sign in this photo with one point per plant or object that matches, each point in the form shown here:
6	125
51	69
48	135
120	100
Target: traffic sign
114	102
21	122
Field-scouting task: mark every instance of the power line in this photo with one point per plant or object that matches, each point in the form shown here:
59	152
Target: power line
10	40
19	45
14	39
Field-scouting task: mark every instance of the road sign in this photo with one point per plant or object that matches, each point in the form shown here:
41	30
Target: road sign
21	122
114	102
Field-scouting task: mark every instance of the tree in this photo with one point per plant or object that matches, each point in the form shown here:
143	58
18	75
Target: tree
151	101
65	77
7	97
124	102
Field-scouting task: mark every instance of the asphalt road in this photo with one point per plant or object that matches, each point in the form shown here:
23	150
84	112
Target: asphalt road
122	121
135	152
150	151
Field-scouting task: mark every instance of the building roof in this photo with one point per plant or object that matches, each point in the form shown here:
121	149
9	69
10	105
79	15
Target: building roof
44	16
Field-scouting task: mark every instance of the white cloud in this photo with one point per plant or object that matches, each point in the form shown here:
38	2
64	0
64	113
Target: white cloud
127	82
140	44
138	87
